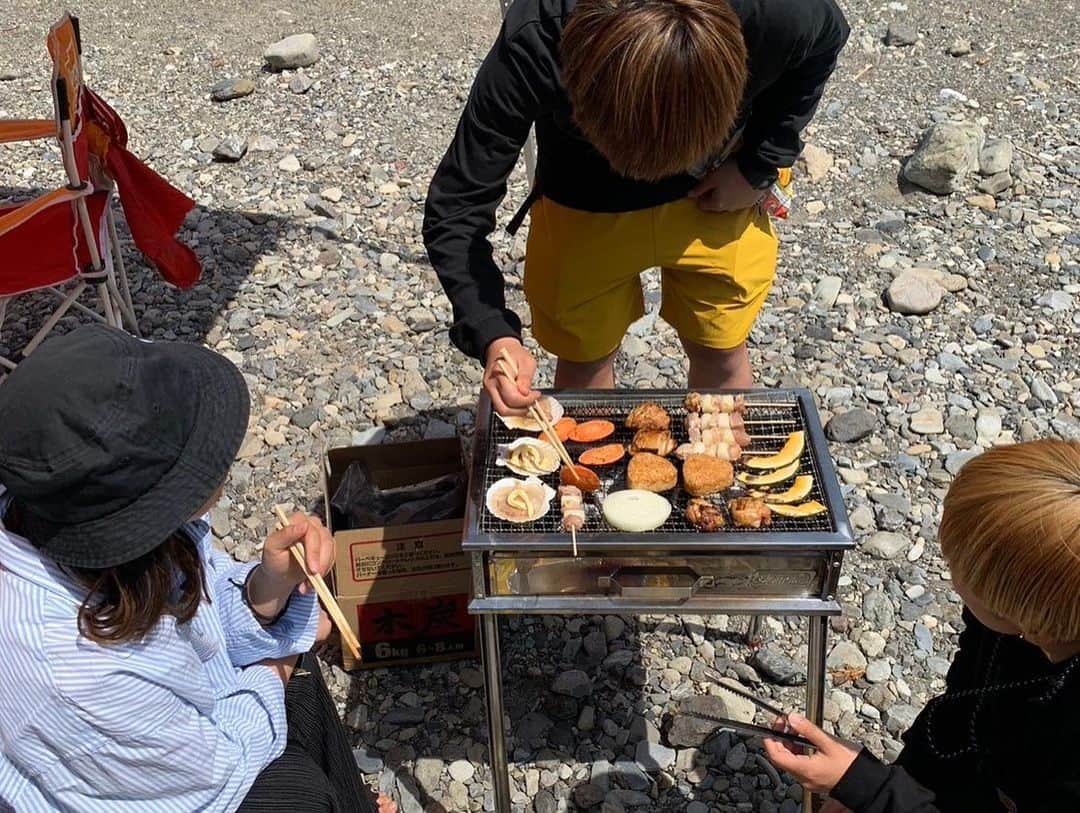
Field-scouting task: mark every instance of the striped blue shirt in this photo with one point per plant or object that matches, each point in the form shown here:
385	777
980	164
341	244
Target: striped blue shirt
181	722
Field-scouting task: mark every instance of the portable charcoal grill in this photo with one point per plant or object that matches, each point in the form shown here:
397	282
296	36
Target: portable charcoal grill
789	568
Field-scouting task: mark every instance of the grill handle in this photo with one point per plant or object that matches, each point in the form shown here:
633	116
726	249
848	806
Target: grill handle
654	583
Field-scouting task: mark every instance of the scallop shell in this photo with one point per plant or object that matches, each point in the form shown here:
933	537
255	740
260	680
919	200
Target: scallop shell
532	484
505	449
525	423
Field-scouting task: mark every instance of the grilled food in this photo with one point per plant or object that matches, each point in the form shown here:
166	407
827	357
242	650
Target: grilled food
714	420
528	456
704	516
602	455
636	511
771	478
573	509
800	511
750	512
658	441
710	402
711	437
649	415
650	472
792	451
581	476
548	407
799	491
592	431
724	451
519	500
704	475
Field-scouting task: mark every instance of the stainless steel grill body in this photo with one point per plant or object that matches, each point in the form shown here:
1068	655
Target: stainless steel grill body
789	568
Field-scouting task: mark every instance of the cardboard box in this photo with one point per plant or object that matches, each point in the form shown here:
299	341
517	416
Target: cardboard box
405	589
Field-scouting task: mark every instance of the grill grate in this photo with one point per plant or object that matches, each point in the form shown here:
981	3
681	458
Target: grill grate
775	415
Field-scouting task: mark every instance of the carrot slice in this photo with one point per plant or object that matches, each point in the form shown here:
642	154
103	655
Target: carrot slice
585	479
592	431
564	427
602	455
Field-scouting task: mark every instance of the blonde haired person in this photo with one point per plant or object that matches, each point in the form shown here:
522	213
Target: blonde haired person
1002	737
660	125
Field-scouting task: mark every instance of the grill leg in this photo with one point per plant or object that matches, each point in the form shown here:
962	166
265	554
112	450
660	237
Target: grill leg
753	632
500	768
815	682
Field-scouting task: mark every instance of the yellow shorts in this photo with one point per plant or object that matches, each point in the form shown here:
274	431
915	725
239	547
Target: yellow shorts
582	274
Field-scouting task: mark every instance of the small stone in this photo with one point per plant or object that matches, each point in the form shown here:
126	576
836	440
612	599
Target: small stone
960	47
228	89
995	184
778	667
927	421
1056	301
913	294
473	678
827	290
886	545
687	731
367	763
878	610
290	163
1041	390
845	655
851	426
304	418
988	426
986	202
996	157
587	796
420	320
230	150
736	757
573	683
955	461
630	775
654	757
462	770
899	718
816	162
301	84
815	207
613	627
878	671
871	644
901	35
297	51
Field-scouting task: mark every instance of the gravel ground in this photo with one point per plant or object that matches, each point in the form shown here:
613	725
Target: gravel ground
317	285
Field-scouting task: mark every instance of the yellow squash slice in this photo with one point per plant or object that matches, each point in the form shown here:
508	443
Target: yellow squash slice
791	452
800	511
799	491
771	478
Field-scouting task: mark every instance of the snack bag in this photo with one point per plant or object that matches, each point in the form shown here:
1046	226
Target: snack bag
777	201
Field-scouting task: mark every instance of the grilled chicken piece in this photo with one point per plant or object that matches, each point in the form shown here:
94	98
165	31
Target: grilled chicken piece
725	451
714	420
709	402
649	415
704	516
656	441
573	511
750	512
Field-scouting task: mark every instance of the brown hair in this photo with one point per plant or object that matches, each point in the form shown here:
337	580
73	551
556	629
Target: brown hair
124	603
1011	533
655	85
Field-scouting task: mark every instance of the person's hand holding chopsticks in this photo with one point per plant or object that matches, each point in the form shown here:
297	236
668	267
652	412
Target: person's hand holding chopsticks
510	397
279	574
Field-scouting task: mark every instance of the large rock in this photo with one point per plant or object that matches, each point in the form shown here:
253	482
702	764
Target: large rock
946	156
778	667
913	294
850	426
845	655
573	683
687	731
901	35
816	162
928	421
297	51
886	545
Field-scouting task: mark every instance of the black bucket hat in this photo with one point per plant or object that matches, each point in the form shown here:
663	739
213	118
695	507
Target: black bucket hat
109	443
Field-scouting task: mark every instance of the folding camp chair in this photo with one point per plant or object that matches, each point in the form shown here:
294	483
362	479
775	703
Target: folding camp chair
69	235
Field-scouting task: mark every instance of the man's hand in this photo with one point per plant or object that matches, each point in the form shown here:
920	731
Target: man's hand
726	190
510	397
279	573
820	771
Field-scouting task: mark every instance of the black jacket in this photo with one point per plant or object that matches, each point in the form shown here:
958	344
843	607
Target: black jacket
793	45
1001	738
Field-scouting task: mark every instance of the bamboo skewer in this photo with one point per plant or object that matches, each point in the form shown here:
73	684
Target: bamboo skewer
327	598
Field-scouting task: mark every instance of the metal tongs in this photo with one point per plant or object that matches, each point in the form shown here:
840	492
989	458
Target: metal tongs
750	729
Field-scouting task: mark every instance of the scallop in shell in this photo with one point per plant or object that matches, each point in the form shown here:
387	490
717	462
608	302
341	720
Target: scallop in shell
519	500
528	457
551	409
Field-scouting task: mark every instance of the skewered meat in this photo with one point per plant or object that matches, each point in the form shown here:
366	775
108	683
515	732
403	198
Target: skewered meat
715	420
649	415
650	472
710	437
709	402
750	512
724	451
703	475
659	442
573	510
704	516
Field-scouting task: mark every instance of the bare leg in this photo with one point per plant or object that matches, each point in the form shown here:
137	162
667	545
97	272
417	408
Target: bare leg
589	375
718	369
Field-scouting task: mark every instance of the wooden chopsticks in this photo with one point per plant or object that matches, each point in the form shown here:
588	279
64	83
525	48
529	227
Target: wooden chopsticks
509	369
327	598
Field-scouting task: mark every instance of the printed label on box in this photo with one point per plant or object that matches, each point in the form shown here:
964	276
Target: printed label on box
409	557
416	628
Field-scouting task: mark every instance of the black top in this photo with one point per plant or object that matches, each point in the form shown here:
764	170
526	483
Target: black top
793	45
1001	738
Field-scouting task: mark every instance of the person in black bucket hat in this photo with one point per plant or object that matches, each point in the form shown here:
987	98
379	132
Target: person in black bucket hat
145	670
